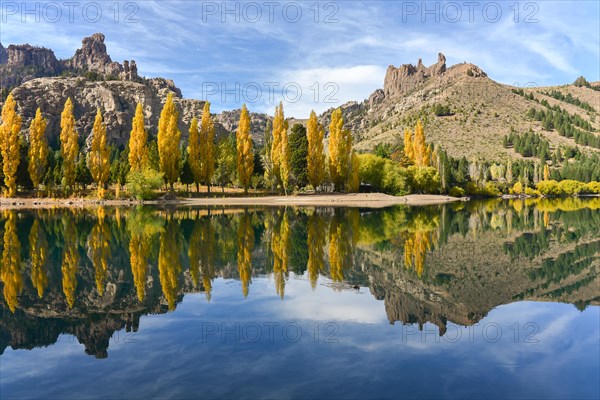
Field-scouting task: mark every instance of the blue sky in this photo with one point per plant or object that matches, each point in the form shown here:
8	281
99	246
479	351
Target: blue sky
333	56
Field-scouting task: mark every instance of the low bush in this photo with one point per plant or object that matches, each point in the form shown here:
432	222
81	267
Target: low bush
142	184
456	191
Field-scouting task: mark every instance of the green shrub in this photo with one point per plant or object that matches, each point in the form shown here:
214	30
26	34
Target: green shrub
456	191
395	179
489	190
371	170
142	184
531	192
424	179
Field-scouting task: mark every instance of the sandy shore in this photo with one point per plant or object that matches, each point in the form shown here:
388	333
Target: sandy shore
366	200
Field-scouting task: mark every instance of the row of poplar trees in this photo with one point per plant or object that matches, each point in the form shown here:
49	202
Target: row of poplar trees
340	168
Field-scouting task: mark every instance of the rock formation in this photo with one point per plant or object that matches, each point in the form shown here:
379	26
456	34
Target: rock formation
92	56
3	55
402	80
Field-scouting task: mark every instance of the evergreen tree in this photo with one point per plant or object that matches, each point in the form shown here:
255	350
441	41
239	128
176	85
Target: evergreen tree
298	144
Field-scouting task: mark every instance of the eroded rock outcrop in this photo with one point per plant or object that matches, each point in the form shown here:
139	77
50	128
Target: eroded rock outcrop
3	55
92	56
402	80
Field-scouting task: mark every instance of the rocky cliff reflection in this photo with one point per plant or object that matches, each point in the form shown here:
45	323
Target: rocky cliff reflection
91	272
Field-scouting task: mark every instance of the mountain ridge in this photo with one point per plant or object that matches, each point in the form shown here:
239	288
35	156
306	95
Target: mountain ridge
480	111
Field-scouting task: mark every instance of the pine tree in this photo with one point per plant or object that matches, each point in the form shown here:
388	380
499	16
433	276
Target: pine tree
138	150
168	141
316	155
194	153
69	146
98	160
245	156
340	151
9	144
207	146
38	149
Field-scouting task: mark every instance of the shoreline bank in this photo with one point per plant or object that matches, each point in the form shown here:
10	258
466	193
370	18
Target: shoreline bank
363	200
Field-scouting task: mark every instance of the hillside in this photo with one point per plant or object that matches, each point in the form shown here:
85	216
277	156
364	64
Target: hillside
478	112
482	110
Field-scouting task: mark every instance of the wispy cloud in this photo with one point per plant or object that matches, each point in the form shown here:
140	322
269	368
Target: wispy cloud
550	44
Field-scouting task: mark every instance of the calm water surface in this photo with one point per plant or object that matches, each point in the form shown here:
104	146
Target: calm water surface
495	299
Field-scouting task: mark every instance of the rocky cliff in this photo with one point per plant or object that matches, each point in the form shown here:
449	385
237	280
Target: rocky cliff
94	81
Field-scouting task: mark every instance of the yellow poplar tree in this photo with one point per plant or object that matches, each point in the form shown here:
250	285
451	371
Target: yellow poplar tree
280	127
340	150
168	141
316	156
194	151
422	152
245	157
207	146
69	146
9	144
98	161
546	172
38	149
138	152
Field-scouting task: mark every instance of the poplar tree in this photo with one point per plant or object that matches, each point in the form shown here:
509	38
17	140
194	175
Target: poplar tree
194	153
98	157
207	146
245	157
316	156
340	150
9	144
138	150
69	147
168	141
421	152
280	127
38	149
